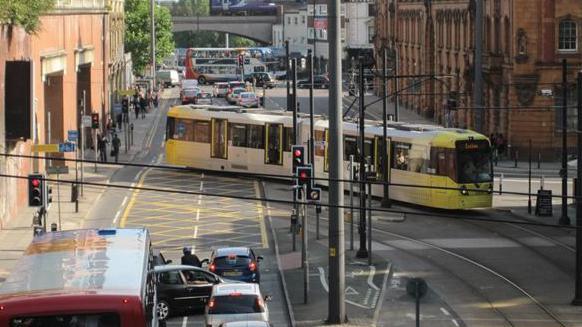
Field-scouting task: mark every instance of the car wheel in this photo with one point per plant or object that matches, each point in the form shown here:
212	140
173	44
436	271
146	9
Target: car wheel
163	310
202	80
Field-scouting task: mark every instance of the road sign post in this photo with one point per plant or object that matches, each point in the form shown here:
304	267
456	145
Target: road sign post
305	235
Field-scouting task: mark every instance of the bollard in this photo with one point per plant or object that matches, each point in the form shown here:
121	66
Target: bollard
53	227
501	184
515	158
131	135
74	193
539	160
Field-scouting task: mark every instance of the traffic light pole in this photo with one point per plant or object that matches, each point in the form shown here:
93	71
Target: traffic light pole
311	131
305	235
386	198
287	75
578	285
362	251
564	219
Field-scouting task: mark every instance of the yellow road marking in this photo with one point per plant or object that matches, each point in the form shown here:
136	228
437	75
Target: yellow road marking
132	201
261	218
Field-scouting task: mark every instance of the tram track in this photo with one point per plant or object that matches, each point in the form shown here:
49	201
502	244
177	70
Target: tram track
545	310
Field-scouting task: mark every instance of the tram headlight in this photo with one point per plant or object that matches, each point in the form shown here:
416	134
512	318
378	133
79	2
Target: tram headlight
464	190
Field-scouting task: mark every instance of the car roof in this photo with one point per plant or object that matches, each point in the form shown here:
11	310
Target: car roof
221	83
223	252
249	323
247	93
170	267
242	288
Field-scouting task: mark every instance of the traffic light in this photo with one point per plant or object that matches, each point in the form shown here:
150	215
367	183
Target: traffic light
304	175
36	188
95	120
314	194
298	152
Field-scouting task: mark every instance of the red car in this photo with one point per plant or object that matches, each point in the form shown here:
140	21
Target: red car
189	96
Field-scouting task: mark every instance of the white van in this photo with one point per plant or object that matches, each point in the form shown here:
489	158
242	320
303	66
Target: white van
168	77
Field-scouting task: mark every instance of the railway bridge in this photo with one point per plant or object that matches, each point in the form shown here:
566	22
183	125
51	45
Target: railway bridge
257	28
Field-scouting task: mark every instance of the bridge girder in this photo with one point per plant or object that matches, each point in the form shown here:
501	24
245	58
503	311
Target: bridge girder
256	28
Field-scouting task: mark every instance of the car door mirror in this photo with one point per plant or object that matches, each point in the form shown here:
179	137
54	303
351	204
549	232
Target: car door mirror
259	258
268	298
205	261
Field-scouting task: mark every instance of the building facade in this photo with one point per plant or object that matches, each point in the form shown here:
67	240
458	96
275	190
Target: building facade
48	80
523	47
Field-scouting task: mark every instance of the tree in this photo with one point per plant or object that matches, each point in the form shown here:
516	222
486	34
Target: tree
191	8
137	33
24	13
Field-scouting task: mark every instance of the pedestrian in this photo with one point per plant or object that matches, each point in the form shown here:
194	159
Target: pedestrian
189	258
102	146
156	101
116	143
142	104
136	109
119	119
501	145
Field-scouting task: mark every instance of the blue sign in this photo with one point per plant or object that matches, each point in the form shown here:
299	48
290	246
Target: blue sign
72	135
67	147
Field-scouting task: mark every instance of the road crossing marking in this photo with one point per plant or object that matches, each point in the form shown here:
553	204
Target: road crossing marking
185	321
132	201
261	218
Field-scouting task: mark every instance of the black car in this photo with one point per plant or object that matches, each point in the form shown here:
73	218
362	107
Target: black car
319	82
183	289
261	80
237	263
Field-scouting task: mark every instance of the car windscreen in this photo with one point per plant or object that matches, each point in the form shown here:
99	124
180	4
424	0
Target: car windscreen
77	320
235	304
228	261
190	92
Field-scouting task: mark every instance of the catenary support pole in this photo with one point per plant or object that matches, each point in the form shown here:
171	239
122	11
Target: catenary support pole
351	202
153	41
529	181
478	67
564	219
288	75
304	258
578	284
386	198
337	285
362	251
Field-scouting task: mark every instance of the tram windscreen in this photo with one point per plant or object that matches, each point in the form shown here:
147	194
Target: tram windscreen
473	161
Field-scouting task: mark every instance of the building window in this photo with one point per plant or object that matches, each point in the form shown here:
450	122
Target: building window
567	37
295	20
288	20
572	117
371	30
302	19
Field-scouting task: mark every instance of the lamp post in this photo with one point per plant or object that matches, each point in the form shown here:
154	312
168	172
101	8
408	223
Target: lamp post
564	219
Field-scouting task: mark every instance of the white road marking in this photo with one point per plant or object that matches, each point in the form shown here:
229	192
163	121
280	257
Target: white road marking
371	278
195	231
367	297
326	288
443	310
135	179
455	322
124	201
116	217
185	321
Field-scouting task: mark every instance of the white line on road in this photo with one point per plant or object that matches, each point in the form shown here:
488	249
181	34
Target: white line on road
195	231
124	201
367	297
326	288
443	310
455	322
185	321
116	217
371	278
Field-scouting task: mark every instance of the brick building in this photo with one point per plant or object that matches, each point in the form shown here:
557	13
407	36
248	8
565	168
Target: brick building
524	44
43	78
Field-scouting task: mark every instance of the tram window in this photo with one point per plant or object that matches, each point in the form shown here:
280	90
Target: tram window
201	131
238	134
184	130
256	138
170	128
288	139
320	138
401	158
350	147
369	149
417	160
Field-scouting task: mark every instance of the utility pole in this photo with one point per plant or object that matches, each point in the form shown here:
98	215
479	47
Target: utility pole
396	109
287	73
314	42
153	42
294	100
337	285
578	286
384	156
564	219
311	130
362	251
478	78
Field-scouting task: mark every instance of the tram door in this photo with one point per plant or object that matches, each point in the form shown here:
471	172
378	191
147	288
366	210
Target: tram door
219	146
379	157
274	144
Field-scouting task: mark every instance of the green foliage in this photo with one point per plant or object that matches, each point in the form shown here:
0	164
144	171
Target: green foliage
191	8
24	13
137	33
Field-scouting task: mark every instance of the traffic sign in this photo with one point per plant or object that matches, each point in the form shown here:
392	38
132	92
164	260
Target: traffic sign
86	121
72	135
45	148
67	147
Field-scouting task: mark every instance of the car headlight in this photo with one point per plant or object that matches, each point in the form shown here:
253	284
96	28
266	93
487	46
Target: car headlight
464	190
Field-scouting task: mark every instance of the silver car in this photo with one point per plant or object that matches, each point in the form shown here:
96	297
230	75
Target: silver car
235	302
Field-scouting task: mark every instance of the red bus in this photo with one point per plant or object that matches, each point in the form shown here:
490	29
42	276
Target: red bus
89	277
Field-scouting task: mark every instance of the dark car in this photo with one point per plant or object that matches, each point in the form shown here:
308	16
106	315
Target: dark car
183	289
319	82
238	263
261	80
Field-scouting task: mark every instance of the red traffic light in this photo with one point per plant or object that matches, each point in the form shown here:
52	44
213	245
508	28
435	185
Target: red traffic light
303	175
297	153
35	182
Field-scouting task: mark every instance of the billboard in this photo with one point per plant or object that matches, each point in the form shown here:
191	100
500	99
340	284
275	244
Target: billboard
242	8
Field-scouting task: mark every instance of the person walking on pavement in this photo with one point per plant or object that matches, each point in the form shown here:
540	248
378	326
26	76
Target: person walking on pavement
119	119
189	258
102	146
142	104
116	143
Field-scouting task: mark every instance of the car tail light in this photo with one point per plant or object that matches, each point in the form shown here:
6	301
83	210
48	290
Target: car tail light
234	294
211	303
2	307
125	301
260	303
212	267
252	266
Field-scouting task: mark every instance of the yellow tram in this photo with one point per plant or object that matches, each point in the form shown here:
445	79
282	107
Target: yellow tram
429	165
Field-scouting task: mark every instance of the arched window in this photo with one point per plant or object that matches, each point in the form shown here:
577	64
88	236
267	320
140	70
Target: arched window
567	36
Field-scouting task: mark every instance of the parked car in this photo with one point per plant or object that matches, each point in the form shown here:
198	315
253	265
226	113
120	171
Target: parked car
220	89
183	288
246	323
236	263
169	78
261	79
235	302
232	97
189	95
319	82
248	100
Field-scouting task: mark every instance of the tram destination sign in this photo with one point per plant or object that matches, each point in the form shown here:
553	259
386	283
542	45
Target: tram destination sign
472	145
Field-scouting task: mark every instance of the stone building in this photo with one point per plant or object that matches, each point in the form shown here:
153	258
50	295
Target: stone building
43	80
524	44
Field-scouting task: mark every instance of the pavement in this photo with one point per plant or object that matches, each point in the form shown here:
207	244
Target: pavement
16	234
